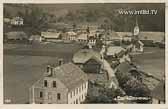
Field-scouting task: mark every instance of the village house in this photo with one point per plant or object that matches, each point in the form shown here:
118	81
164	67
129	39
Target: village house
94	65
17	21
51	36
64	84
69	36
7	20
88	60
125	37
138	46
16	35
82	38
116	53
72	36
35	38
91	41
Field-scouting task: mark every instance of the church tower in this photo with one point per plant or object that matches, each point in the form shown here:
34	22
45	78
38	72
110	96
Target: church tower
137	44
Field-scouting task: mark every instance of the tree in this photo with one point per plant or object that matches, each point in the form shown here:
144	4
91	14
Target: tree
131	83
100	94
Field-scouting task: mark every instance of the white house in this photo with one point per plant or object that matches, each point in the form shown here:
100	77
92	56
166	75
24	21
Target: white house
82	38
17	21
64	84
6	20
36	38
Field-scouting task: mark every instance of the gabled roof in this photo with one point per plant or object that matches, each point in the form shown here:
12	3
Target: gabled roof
84	55
50	34
82	36
72	33
112	50
70	75
159	91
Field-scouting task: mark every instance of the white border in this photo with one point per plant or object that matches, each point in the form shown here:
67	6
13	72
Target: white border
83	106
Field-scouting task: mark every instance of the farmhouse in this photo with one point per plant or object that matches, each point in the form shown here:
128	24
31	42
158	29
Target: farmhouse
17	21
69	36
36	38
64	84
16	35
51	36
91	41
82	38
7	20
88	60
115	53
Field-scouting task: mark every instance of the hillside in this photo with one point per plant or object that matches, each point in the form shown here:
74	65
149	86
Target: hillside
96	13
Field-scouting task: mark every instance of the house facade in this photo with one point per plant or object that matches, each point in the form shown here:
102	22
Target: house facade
82	38
69	36
64	84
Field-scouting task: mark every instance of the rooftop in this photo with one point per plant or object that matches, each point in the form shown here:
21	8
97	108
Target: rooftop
112	50
82	56
50	34
70	75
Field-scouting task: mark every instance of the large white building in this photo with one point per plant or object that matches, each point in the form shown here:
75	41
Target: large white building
64	84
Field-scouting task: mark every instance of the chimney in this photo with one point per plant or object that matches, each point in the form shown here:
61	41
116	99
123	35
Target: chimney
49	70
60	62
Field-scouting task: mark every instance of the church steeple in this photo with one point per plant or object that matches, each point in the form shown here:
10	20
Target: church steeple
136	28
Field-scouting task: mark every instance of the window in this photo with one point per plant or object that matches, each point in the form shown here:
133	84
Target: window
58	96
41	94
45	83
54	84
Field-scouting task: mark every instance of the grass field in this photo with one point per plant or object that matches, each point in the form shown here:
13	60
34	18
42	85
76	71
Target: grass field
24	64
151	61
